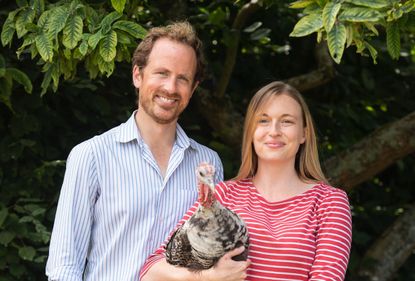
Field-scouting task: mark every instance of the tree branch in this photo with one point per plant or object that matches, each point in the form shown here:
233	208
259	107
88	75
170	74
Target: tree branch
232	50
391	250
323	74
373	154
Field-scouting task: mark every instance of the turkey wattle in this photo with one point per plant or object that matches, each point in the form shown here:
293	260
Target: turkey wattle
210	232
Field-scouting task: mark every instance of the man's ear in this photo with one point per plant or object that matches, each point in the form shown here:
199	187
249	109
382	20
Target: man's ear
136	76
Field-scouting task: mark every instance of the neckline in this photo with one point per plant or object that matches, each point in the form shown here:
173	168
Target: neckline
284	200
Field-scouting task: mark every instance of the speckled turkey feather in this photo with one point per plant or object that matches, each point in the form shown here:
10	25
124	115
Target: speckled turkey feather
209	233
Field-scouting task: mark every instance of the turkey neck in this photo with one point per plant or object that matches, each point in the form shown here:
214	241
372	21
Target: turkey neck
206	195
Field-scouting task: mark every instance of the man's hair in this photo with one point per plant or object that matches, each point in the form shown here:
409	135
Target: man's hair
182	32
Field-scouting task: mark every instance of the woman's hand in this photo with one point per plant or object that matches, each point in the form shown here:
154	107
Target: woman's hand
226	268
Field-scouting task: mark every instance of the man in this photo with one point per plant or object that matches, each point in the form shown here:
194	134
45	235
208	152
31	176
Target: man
125	190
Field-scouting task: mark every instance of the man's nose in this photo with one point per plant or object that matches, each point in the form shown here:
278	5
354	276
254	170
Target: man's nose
170	85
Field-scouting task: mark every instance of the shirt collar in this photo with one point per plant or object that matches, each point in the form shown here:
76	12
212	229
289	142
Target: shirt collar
128	131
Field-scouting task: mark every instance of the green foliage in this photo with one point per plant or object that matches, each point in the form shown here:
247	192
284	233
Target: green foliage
9	75
39	131
359	18
71	32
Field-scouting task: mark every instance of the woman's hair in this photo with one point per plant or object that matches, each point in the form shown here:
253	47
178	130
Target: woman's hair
182	32
307	164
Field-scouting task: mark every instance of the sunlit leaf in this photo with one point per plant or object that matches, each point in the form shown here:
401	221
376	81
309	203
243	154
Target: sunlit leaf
8	29
376	4
44	46
94	39
301	4
136	30
372	51
118	5
336	40
330	12
57	20
108	20
72	32
360	15
307	25
24	17
107	48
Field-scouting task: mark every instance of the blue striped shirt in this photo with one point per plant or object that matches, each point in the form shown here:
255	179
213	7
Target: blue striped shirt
116	208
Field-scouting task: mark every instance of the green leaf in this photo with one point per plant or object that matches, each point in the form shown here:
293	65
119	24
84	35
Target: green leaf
393	41
336	40
38	6
2	72
371	27
118	5
108	46
8	29
72	32
94	39
44	47
24	17
136	30
330	11
28	40
108	20
253	27
307	25
3	215
106	67
21	78
5	93
360	15
6	237
27	253
57	20
372	51
43	21
376	4
301	4
83	47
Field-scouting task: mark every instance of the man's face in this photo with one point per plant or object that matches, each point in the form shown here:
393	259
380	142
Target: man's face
166	83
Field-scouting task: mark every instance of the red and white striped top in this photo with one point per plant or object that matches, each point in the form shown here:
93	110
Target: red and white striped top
306	237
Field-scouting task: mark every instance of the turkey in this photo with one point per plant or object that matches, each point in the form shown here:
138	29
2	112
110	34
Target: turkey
210	232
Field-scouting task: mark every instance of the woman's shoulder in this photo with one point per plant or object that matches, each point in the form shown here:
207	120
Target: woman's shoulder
327	192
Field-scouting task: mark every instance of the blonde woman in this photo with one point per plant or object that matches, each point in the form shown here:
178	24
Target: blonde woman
299	225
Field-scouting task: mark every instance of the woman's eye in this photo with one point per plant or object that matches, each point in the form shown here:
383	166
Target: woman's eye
262	121
287	122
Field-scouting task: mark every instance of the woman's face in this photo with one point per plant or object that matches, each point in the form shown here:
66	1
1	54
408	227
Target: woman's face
279	130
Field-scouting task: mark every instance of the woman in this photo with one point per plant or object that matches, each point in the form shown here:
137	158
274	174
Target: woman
299	226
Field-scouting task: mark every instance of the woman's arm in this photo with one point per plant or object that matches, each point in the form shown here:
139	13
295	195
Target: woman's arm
333	240
225	269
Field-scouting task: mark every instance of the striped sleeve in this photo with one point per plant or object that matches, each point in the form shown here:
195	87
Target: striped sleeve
159	254
333	238
73	222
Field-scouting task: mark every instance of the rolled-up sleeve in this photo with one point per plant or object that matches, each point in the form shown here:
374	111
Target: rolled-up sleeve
72	227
